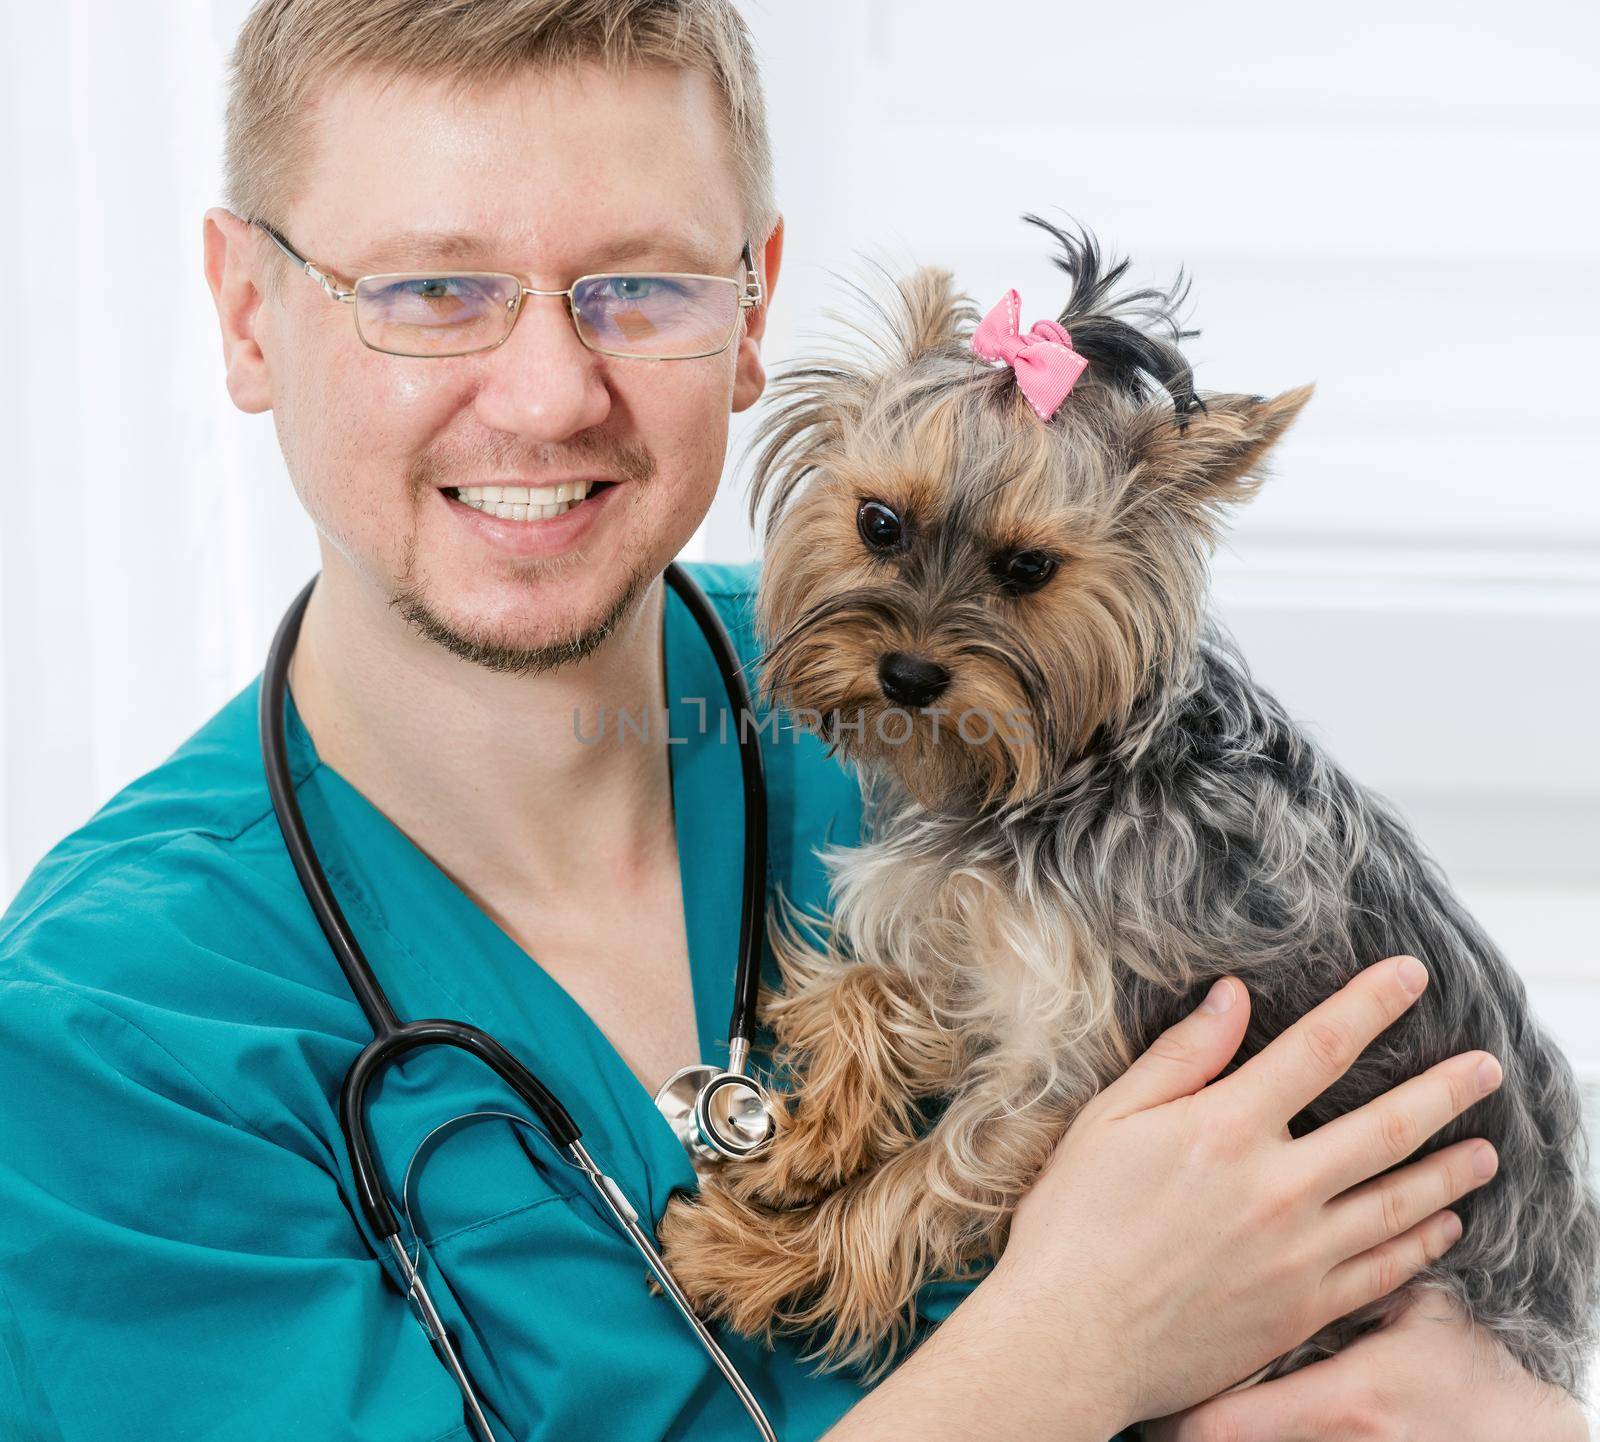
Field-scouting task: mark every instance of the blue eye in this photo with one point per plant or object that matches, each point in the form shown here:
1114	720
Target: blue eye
433	299
421	314
435	287
633	289
661	314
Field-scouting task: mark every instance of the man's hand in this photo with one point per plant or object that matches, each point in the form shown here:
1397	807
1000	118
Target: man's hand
1181	1237
1429	1374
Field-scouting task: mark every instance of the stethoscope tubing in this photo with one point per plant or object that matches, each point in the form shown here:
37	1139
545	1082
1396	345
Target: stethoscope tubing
394	1039
747	978
280	786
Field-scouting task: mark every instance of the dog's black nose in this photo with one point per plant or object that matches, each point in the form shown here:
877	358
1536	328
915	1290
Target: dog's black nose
911	680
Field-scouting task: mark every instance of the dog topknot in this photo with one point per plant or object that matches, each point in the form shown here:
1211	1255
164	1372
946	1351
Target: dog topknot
1131	339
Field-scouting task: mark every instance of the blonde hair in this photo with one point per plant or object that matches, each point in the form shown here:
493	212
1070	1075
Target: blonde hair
287	49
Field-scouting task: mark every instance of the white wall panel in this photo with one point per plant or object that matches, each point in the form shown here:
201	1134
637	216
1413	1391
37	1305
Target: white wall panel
1395	201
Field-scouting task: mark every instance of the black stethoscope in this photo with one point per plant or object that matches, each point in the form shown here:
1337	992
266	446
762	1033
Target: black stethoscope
717	1114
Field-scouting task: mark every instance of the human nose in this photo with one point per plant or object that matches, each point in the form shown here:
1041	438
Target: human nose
542	382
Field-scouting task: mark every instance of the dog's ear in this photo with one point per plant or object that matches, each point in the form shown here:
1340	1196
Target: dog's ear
1213	456
814	406
934	315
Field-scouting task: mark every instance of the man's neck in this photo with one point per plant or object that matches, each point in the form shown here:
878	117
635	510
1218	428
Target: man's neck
486	771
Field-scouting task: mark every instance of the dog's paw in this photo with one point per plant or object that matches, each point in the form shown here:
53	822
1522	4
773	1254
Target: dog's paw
687	1246
809	1157
736	1262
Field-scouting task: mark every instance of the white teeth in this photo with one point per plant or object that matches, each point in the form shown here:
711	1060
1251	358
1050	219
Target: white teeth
524	503
524	495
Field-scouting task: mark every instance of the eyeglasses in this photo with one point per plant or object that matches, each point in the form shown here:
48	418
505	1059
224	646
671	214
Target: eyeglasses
432	313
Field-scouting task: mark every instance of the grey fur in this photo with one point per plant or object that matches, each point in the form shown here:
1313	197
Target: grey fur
1219	838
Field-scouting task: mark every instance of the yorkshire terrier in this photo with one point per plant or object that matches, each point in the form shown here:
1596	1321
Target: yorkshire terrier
987	585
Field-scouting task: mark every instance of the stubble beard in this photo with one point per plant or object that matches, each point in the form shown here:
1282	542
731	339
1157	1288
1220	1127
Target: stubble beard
494	653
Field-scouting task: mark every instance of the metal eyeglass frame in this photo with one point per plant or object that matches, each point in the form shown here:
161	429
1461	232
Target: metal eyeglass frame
346	295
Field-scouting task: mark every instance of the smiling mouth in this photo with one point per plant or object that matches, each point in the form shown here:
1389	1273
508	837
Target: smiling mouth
526	503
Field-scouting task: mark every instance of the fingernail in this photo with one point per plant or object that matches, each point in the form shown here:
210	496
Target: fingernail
1219	998
1485	1162
1489	1074
1451	1227
1413	975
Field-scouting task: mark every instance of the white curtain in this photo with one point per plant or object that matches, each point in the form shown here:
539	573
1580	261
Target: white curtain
148	526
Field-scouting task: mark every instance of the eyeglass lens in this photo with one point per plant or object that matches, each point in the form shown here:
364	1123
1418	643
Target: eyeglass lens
663	316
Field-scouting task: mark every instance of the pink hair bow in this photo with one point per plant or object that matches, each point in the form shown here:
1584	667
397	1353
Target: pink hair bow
1047	367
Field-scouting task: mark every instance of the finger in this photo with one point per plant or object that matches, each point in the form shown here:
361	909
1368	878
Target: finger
1315	1404
1185	1056
1295	1068
1371	1214
1378	1272
1371	1139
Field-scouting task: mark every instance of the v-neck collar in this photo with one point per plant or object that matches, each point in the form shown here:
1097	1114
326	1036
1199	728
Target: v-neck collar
447	953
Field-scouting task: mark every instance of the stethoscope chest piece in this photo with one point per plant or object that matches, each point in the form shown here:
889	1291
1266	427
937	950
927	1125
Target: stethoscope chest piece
717	1115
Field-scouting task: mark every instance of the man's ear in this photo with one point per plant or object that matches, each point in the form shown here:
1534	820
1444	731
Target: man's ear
1214	456
231	261
750	377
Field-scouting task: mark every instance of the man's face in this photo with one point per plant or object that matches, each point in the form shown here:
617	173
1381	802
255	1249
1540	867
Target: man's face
559	175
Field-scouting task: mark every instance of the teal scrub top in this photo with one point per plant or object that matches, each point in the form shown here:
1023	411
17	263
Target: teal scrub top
180	1254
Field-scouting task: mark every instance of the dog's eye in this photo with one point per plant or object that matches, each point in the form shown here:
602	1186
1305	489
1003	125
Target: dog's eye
1024	570
879	526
